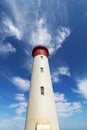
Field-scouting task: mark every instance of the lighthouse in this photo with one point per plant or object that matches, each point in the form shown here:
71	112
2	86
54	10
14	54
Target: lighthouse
41	112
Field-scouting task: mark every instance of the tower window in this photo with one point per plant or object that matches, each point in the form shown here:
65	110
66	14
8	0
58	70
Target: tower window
41	57
41	69
42	90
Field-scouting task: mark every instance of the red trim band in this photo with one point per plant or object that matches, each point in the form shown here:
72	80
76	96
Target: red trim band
40	50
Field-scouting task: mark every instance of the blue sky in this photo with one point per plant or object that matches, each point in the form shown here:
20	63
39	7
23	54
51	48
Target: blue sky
60	25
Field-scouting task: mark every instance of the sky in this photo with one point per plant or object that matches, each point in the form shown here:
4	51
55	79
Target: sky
61	26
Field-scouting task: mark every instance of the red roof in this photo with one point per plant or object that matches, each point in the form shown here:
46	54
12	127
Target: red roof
40	50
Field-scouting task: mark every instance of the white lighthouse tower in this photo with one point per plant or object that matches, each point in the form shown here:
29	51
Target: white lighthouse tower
41	113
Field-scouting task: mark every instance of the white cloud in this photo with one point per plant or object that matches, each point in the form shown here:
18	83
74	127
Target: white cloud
11	29
13	106
12	124
63	70
55	76
6	49
41	36
82	87
20	108
58	39
59	97
22	84
63	33
65	108
19	97
5	122
18	118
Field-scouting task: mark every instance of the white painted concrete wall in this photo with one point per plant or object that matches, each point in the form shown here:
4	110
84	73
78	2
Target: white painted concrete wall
41	108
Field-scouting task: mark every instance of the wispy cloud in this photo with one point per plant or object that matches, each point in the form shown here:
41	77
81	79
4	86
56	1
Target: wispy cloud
63	33
13	105
20	108
65	108
63	70
42	36
82	87
6	49
22	84
57	40
11	29
19	97
12	124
